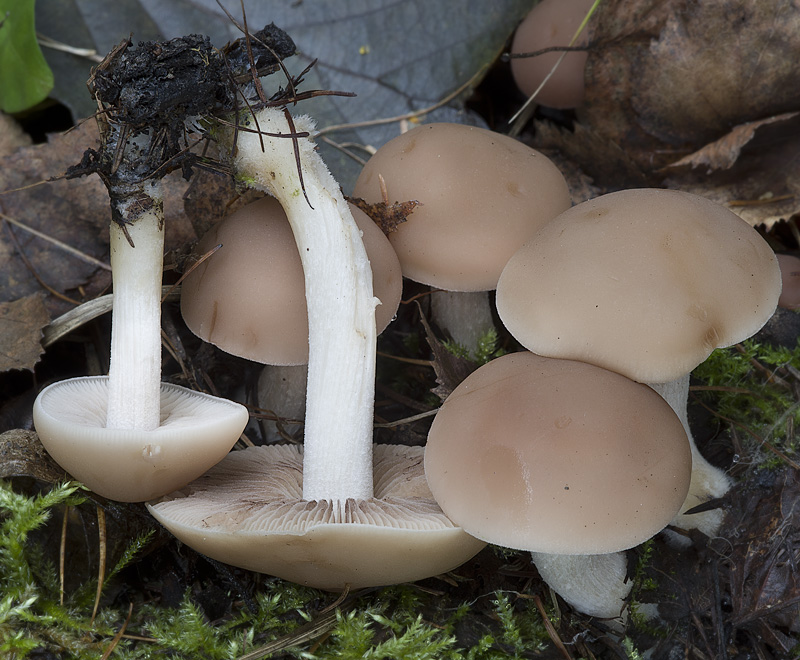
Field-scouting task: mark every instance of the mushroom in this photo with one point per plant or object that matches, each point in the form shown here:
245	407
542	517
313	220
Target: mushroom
128	436
645	283
248	298
481	196
337	498
790	278
561	458
551	23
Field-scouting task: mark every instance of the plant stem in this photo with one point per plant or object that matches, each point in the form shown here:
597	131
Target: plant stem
134	376
337	463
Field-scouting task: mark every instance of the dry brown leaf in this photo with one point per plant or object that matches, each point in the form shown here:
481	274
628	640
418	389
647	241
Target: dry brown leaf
722	154
21	324
666	77
75	212
22	455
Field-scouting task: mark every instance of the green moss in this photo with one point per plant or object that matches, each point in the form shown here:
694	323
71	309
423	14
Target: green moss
750	387
486	351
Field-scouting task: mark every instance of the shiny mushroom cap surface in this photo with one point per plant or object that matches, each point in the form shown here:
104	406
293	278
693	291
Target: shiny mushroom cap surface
481	195
248	298
196	431
557	456
644	282
248	511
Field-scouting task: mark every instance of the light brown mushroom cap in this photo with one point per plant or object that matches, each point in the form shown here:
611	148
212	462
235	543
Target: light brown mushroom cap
790	280
196	431
551	23
248	511
557	456
643	282
249	297
482	195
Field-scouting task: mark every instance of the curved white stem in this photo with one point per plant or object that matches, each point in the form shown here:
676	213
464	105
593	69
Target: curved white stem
593	584
337	462
708	482
134	376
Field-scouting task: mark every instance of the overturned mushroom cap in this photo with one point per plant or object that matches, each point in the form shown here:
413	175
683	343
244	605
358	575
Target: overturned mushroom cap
557	456
481	194
249	297
248	511
128	465
551	23
643	282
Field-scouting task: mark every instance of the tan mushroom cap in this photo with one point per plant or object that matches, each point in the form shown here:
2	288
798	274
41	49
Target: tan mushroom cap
557	456
196	431
551	23
249	297
644	282
248	511
482	195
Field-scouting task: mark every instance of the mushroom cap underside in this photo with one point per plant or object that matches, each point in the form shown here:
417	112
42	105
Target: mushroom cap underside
196	431
248	511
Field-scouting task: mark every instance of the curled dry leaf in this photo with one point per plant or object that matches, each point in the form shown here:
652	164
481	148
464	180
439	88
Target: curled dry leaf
21	324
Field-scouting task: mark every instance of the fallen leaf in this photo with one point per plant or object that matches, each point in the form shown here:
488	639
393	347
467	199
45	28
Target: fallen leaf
75	213
21	324
450	369
723	153
22	455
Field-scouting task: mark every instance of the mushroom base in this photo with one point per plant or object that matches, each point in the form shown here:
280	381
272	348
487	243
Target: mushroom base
248	511
196	431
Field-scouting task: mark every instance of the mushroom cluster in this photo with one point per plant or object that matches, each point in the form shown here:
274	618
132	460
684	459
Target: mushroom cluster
335	513
641	284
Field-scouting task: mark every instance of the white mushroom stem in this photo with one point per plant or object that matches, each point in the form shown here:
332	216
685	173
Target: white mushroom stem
708	482
134	377
465	315
593	584
337	463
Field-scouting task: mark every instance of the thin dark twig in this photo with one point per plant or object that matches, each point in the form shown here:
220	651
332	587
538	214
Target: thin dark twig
296	147
535	53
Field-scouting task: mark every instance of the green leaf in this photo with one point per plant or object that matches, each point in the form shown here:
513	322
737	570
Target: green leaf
25	78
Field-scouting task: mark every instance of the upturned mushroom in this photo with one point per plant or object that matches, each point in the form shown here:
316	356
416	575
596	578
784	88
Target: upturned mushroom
645	283
334	522
481	196
564	459
128	436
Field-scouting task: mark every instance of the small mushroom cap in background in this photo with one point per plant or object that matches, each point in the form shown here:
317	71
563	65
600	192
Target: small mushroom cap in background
481	194
249	299
551	23
248	511
790	278
557	456
643	282
128	465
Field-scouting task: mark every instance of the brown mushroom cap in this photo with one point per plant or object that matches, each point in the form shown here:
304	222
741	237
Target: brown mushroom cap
551	23
790	279
557	456
128	465
643	282
249	297
482	195
248	511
